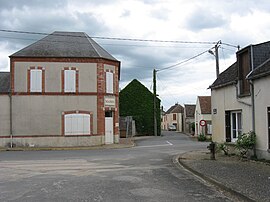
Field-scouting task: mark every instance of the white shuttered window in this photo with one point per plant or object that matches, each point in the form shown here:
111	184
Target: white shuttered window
109	82
77	124
36	80
70	81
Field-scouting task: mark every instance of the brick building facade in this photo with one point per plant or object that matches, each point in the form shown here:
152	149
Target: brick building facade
63	92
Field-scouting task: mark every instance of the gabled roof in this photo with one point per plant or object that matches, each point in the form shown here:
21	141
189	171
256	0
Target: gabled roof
177	108
205	104
4	82
190	110
227	77
65	44
261	71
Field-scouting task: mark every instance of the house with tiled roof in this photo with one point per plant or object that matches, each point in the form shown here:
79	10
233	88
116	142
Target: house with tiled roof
173	116
203	116
63	92
189	118
241	99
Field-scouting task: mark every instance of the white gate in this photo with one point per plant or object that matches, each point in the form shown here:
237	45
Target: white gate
108	130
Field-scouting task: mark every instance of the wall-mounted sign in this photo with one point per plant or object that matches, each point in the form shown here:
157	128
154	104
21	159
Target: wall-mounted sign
215	111
109	101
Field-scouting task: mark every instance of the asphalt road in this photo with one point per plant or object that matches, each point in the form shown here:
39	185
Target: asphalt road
142	173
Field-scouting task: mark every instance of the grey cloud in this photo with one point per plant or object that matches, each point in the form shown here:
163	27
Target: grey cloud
10	4
203	19
161	14
125	13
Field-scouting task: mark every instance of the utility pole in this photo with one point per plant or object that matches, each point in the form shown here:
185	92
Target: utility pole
217	58
215	54
155	94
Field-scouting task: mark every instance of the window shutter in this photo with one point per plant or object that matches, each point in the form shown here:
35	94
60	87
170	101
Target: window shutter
77	124
86	124
68	123
70	81
109	82
35	80
228	126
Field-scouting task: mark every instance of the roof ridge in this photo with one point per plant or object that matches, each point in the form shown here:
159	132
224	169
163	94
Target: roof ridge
88	38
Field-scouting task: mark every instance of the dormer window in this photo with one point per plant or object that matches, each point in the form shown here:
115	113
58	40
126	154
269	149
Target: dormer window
244	69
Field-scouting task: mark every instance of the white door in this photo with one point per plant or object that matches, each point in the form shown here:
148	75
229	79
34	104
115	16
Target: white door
108	130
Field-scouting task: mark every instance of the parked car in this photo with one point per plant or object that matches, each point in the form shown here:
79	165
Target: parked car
172	128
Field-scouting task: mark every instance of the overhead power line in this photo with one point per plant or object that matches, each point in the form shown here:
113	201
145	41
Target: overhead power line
182	62
111	38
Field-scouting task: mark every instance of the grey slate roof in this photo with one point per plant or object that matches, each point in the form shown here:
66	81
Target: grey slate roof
261	70
227	77
65	44
261	53
4	82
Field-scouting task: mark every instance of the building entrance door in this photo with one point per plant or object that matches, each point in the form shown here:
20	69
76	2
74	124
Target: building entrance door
109	127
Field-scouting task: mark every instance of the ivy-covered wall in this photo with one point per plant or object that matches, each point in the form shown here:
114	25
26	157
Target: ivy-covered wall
137	101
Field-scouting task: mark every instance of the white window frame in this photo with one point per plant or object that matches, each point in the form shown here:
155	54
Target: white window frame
35	80
237	129
109	82
77	124
70	81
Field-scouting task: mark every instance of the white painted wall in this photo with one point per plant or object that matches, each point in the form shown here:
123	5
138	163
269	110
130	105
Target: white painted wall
262	101
225	99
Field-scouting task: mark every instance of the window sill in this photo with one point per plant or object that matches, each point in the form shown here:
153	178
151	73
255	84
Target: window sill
244	95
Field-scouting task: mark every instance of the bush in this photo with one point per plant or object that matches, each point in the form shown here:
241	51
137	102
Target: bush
246	142
224	148
201	137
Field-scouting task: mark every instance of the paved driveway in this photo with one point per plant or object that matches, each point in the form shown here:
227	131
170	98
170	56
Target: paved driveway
142	173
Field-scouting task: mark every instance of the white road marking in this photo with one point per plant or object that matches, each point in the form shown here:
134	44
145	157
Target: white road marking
159	145
169	143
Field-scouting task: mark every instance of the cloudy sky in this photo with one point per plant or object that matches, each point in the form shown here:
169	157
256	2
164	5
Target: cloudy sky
181	22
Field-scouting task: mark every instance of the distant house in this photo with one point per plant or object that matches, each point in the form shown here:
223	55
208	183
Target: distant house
189	118
63	92
241	99
203	116
137	101
174	116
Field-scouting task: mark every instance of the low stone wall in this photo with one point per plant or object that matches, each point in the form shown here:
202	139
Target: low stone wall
61	141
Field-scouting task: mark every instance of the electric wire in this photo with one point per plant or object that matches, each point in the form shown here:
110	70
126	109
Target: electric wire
182	62
117	38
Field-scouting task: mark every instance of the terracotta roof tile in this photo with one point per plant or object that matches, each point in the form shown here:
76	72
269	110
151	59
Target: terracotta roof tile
205	104
190	110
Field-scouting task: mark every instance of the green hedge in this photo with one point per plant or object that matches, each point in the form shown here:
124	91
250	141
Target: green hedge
137	101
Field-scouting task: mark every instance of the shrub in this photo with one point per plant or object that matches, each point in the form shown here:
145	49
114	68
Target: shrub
223	148
201	137
246	142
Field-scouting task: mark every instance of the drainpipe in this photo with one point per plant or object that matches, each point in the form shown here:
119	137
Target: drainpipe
252	91
252	98
10	119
